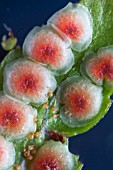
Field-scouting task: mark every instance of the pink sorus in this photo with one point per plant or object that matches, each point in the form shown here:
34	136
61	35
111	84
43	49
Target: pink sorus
48	46
28	81
76	22
53	155
81	100
7	154
99	67
16	118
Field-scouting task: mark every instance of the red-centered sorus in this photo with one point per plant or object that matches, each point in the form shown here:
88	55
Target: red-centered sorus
80	99
52	155
76	22
49	46
99	67
28	81
7	153
16	118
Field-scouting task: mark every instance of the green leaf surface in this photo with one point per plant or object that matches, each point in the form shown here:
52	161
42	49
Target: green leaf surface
78	163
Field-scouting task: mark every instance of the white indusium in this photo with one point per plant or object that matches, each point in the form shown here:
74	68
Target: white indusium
49	46
7	154
76	22
81	100
28	81
16	118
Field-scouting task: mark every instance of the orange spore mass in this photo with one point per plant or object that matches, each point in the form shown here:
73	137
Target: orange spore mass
71	30
68	24
103	68
79	103
9	117
46	53
27	83
46	163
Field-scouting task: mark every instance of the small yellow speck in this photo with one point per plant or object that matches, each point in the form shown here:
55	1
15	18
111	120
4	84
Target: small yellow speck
50	93
18	167
30	147
37	134
55	115
24	149
31	136
45	106
35	119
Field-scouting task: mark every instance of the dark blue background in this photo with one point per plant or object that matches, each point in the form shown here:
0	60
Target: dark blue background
94	147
